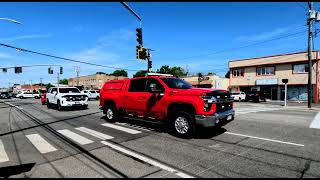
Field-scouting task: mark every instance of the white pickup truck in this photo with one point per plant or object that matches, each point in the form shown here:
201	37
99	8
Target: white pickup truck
92	94
238	96
63	97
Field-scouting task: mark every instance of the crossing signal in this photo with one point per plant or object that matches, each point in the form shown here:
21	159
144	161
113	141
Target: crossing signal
18	70
61	70
139	36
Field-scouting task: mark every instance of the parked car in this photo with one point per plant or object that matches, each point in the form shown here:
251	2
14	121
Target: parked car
23	95
63	97
92	94
5	95
238	96
43	97
255	96
168	100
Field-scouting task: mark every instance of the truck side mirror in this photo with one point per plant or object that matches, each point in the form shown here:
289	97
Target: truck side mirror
153	88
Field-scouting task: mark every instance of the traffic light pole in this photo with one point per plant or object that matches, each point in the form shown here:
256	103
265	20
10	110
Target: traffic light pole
58	78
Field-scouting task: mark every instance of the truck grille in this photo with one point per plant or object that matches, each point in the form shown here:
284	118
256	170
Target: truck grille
223	106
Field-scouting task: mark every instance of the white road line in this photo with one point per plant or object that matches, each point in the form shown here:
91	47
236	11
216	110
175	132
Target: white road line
134	126
12	105
75	137
147	160
41	144
94	133
264	139
316	122
3	155
131	131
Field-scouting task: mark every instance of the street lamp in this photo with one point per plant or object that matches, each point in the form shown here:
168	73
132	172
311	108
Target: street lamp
11	20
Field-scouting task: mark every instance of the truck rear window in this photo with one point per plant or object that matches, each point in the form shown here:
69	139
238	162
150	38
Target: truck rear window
113	86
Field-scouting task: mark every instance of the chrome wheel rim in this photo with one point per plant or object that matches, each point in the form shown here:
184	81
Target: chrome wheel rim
109	114
181	125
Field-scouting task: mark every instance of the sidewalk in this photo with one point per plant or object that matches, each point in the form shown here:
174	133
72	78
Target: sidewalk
294	105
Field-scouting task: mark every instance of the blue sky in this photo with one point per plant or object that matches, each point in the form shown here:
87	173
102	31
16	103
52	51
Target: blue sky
182	34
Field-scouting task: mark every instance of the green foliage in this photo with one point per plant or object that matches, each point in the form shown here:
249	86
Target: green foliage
120	73
140	73
227	75
100	73
49	86
63	81
175	71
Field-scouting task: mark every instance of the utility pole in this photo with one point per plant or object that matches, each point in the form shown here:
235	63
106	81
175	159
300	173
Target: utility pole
41	83
58	78
77	71
310	21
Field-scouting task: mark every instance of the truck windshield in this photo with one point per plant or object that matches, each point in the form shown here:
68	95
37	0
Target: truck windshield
176	83
68	90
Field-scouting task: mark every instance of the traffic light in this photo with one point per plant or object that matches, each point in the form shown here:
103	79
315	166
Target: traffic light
4	70
143	53
50	71
61	70
139	36
17	70
138	51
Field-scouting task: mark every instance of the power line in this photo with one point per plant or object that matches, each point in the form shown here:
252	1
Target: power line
62	58
37	65
253	44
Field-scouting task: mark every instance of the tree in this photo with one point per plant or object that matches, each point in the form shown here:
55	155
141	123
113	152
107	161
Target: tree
175	70
120	73
100	73
227	74
63	81
49	86
140	73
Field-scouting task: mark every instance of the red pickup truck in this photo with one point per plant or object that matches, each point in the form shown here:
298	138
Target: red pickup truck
166	99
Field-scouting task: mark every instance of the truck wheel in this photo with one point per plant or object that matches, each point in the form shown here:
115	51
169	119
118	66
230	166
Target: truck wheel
111	113
48	104
182	124
59	107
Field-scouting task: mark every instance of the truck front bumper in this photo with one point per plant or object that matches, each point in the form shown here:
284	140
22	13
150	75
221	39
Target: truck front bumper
217	119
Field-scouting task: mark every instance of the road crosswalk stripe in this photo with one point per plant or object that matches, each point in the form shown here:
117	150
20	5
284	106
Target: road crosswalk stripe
3	155
94	133
41	144
137	127
75	137
128	130
146	159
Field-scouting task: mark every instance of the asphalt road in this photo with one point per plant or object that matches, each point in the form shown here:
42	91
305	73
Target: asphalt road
263	141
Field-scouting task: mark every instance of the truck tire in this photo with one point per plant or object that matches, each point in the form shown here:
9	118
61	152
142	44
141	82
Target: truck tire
182	124
59	107
48	104
110	112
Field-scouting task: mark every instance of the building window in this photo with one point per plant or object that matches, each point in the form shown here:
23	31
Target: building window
237	72
265	71
300	68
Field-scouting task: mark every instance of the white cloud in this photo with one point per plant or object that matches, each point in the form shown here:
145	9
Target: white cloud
5	56
262	36
121	35
33	36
